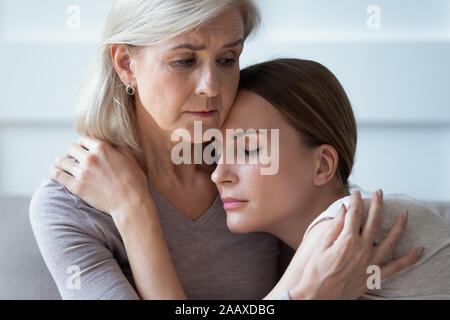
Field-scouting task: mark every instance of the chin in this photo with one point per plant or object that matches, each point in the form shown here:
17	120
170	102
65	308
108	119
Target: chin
237	223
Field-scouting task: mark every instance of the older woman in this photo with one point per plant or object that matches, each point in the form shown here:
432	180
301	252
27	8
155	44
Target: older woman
136	221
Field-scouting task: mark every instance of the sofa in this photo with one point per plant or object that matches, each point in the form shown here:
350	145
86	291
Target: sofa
23	273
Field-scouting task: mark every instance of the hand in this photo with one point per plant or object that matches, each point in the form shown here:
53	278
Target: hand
107	178
337	268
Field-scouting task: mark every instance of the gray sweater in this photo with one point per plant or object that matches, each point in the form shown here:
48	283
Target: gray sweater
85	254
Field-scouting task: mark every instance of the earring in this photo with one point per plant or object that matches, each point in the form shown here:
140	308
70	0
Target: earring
130	90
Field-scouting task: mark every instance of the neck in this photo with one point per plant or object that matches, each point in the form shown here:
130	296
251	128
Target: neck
292	229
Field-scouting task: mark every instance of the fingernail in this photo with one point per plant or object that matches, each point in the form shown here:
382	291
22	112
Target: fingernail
380	193
405	216
341	210
419	252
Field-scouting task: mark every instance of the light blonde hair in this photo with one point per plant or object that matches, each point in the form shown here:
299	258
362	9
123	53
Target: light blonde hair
104	110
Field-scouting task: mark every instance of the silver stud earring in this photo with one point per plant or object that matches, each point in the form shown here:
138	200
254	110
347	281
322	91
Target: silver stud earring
130	90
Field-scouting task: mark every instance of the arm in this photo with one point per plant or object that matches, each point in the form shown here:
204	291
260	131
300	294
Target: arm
65	238
129	203
150	260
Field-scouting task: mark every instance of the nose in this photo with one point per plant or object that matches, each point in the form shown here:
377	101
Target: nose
224	176
209	83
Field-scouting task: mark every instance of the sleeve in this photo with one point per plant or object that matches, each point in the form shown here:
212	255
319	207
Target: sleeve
284	296
319	219
79	262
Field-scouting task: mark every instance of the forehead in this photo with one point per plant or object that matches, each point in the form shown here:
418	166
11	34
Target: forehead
225	28
253	111
230	21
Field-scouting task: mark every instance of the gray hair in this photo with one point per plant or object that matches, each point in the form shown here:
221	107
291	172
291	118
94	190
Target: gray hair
104	110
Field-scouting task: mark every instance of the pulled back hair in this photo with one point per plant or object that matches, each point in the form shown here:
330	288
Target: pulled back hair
312	101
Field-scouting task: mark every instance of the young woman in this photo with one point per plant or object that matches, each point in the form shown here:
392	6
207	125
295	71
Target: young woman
317	144
134	224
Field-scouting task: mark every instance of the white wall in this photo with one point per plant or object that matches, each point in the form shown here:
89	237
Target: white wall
45	61
397	78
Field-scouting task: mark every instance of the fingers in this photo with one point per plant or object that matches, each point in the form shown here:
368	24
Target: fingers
62	177
67	165
337	227
353	217
374	217
77	152
390	242
90	144
393	267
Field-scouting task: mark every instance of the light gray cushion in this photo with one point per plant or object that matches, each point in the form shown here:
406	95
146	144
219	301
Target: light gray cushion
23	273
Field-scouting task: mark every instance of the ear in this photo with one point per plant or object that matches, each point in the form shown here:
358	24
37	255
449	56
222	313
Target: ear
326	163
123	63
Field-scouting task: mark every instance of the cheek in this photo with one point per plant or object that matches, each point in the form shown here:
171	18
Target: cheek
162	94
294	181
251	179
252	187
278	195
265	193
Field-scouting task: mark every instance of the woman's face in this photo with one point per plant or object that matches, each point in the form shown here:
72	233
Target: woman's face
193	77
263	202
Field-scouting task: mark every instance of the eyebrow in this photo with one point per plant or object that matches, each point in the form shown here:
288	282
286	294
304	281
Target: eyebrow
203	47
234	44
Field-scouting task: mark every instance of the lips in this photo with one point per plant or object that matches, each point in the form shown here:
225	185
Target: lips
202	114
232	203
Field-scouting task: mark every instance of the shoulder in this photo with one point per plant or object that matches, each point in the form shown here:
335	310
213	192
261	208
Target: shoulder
53	208
51	196
422	220
425	227
418	210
